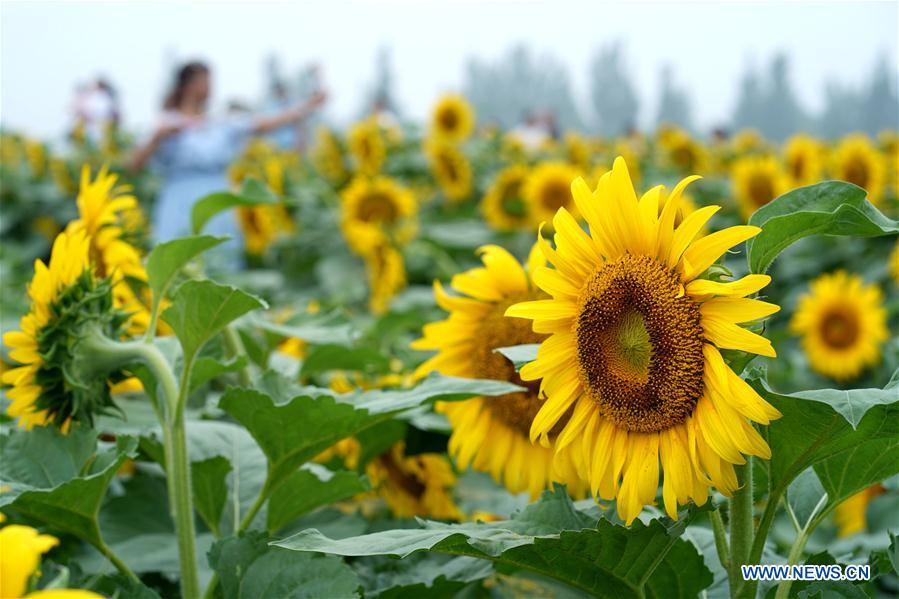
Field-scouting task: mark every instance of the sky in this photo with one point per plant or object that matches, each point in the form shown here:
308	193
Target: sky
48	47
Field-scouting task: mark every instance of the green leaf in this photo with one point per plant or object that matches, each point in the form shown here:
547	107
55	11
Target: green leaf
850	437
205	369
315	330
520	355
200	309
59	479
253	193
309	488
550	538
166	259
210	488
419	575
828	208
249	568
324	358
805	496
319	422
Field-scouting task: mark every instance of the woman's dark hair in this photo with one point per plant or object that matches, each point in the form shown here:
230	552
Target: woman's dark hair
183	77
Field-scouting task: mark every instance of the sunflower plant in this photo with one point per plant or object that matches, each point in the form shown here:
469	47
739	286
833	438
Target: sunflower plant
447	366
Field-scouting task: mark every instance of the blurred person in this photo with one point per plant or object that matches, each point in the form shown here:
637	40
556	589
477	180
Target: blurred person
532	133
96	109
192	151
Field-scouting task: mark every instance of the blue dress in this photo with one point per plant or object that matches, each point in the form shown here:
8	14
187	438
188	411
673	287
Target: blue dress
193	163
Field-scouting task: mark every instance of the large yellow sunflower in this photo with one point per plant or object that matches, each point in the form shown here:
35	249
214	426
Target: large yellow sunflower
856	160
416	485
451	169
757	180
491	433
375	212
548	188
842	323
367	147
503	206
633	354
65	296
452	119
802	155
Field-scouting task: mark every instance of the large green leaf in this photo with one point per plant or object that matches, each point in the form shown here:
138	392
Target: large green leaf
249	568
550	538
309	488
320	420
829	208
60	479
850	437
166	259
208	478
323	358
200	309
420	575
206	368
253	193
313	329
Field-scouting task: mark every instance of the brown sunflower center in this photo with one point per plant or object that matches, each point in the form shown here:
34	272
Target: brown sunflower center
515	409
377	207
857	172
555	195
639	344
449	120
448	166
761	189
399	477
798	166
839	328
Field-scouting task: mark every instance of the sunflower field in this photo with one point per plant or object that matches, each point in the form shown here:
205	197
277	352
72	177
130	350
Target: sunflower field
449	362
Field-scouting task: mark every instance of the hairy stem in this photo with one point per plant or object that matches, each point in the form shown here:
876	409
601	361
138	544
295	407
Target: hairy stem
740	526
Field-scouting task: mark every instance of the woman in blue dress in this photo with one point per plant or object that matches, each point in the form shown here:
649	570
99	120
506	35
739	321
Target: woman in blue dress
192	152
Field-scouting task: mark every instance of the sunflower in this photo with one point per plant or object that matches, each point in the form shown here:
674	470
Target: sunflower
747	141
856	160
417	485
327	156
682	152
757	181
451	169
452	119
802	156
577	150
375	212
490	434
842	323
66	299
548	188
386	276
633	360
367	147
850	514
262	225
503	206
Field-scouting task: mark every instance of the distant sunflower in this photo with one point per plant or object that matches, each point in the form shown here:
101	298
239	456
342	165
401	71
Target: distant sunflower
850	514
503	206
842	323
327	156
367	147
452	119
633	354
262	225
66	299
577	151
802	155
682	152
856	160
747	141
548	188
374	212
386	276
416	485
757	181
491	433
451	169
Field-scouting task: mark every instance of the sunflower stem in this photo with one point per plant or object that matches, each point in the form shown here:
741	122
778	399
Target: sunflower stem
721	545
741	517
116	561
234	347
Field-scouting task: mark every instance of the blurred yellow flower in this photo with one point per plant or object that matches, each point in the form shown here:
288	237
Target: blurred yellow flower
451	169
503	206
856	160
416	485
367	147
757	180
452	118
377	212
548	188
803	158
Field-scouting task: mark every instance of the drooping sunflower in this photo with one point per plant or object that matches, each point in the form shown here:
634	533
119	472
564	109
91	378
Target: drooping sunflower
491	434
377	212
452	119
262	225
66	299
842	323
634	348
416	485
386	271
757	181
850	514
802	155
327	156
856	160
503	205
367	147
451	169
548	188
